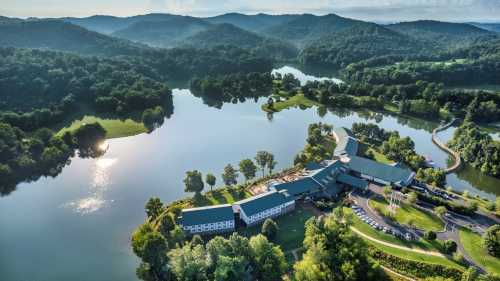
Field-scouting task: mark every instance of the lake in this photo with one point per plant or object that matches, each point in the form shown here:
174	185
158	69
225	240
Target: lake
77	226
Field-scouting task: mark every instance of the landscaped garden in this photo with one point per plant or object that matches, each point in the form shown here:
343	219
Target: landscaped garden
379	235
473	244
408	215
115	128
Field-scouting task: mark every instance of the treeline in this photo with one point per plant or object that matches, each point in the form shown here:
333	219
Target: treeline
38	88
421	99
26	157
477	148
453	72
216	90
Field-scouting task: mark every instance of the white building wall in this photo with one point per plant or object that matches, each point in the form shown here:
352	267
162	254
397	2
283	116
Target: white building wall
210	227
272	212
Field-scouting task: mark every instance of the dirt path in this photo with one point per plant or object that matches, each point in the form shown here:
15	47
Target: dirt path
429	253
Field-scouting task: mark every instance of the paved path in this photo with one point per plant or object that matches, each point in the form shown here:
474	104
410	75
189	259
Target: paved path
445	148
429	253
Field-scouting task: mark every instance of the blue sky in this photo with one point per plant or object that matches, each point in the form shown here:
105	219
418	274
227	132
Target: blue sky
382	10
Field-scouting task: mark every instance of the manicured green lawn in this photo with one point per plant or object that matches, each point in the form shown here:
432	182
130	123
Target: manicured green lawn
379	235
472	243
409	215
219	196
115	128
379	157
299	100
291	229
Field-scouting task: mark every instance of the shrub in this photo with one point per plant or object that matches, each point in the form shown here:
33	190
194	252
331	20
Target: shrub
430	235
414	268
449	246
269	229
491	240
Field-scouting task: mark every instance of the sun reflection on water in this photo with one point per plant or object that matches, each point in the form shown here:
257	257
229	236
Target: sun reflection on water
101	181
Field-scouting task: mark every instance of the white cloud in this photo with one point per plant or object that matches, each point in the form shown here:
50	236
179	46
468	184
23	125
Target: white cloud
458	10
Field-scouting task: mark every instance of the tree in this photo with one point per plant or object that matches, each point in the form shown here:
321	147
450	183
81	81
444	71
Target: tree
230	175
262	160
497	204
412	198
269	229
267	260
151	247
165	224
193	182
196	240
271	163
440	211
491	240
210	180
88	137
449	246
248	169
154	207
189	263
333	252
430	235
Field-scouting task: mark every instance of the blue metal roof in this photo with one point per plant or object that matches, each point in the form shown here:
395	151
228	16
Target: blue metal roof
209	214
264	201
299	186
352	181
328	175
346	143
382	171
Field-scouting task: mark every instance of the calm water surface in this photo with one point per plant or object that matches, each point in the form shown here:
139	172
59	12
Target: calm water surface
77	226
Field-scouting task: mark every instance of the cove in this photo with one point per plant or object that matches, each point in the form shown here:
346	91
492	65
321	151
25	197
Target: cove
77	226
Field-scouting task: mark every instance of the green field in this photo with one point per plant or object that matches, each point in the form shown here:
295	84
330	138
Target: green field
291	229
379	235
298	100
409	215
472	243
220	196
115	128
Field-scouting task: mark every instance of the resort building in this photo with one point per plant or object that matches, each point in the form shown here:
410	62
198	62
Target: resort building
266	205
208	220
347	144
326	179
378	172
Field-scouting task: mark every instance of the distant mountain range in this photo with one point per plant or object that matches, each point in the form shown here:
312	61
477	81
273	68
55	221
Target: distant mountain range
308	37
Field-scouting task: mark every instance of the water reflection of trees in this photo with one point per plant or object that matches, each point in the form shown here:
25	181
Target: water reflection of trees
479	180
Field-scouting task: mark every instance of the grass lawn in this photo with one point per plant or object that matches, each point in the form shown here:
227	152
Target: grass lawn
379	235
409	215
299	100
115	128
379	157
291	229
472	243
219	196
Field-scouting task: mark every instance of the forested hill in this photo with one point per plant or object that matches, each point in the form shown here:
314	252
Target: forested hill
443	33
308	28
495	27
62	36
167	33
360	42
228	34
109	24
254	23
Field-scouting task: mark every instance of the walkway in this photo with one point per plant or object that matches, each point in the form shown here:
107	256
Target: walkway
445	148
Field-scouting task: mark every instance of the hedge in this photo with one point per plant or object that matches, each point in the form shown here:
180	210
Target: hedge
414	268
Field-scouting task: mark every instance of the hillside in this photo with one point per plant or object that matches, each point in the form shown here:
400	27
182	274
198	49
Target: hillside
167	33
495	27
308	28
359	42
62	36
228	34
446	34
109	24
254	23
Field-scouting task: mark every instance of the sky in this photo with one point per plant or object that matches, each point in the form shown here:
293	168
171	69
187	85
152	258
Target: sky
375	10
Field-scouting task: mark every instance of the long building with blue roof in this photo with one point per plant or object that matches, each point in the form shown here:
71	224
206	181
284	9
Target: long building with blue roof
266	205
204	220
